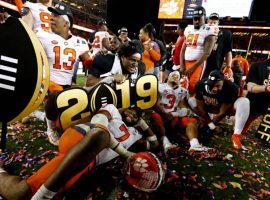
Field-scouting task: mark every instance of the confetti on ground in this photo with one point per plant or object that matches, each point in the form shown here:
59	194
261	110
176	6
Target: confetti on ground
227	174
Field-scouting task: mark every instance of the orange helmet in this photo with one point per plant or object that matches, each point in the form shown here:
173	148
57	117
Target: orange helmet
144	171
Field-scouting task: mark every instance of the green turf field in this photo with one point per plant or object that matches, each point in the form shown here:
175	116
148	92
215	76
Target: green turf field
232	175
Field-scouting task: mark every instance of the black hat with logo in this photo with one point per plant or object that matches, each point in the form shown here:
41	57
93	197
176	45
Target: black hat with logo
199	11
62	9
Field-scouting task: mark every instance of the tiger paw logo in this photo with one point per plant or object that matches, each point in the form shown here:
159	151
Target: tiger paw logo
140	165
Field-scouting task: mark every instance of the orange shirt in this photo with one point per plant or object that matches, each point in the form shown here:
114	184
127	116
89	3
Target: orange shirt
177	50
243	64
150	55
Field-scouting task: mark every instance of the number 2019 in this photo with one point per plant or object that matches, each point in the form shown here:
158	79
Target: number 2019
76	105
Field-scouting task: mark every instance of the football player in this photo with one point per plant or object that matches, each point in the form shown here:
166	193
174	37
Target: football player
101	40
117	68
130	125
169	115
220	97
198	44
61	50
36	15
81	147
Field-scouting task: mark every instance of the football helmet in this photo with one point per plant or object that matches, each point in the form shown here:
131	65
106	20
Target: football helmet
144	171
174	77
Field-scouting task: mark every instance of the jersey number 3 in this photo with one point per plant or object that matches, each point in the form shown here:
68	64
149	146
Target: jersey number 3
172	99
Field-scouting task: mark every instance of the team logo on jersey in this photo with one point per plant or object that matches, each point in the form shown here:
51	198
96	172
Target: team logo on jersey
66	43
54	42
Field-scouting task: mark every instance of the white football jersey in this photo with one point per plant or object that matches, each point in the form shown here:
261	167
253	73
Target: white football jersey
81	45
41	16
195	39
61	55
127	136
97	43
169	98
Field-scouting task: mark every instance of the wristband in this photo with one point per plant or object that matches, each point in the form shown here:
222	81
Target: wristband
151	138
148	145
142	124
211	125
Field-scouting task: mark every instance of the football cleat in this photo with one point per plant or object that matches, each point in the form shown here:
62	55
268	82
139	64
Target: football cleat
199	148
236	140
144	171
201	152
53	137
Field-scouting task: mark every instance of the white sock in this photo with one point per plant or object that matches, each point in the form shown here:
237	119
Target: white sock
194	142
39	114
147	145
50	125
43	193
242	107
165	141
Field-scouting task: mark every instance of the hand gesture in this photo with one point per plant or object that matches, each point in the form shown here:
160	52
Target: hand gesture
119	78
3	17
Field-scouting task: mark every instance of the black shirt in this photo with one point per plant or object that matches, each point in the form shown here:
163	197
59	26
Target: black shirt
103	64
228	94
224	45
259	73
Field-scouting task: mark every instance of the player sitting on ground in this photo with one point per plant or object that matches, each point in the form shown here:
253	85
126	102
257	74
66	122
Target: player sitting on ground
168	117
220	97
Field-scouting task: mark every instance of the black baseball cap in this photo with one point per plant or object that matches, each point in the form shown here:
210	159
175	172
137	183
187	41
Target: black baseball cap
123	29
214	16
102	22
199	11
213	77
62	9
